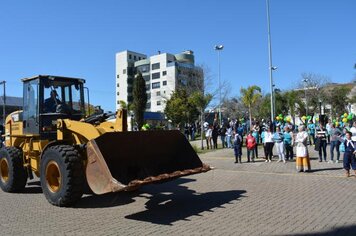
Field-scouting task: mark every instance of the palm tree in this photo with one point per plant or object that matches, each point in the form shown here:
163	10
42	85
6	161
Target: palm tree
293	101
249	98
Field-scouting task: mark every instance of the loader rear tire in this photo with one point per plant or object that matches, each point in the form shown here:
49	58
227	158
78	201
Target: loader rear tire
62	175
13	175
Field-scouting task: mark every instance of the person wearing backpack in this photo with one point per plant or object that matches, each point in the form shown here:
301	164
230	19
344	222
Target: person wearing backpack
237	147
250	145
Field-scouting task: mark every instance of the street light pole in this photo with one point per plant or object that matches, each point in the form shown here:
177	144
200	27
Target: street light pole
305	96
219	48
271	68
4	100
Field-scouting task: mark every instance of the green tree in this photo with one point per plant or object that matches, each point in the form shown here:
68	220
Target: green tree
281	104
293	103
249	97
262	107
179	108
339	99
139	99
200	101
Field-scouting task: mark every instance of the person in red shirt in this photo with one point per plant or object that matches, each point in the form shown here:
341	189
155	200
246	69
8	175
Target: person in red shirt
250	144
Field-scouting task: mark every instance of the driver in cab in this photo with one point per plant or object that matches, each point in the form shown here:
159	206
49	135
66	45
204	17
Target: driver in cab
51	103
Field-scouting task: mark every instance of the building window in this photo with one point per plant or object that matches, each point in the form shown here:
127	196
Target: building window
148	105
158	103
118	85
130	57
148	96
155	66
117	76
164	73
143	68
164	83
147	87
146	77
118	93
156	85
124	71
118	102
158	93
135	58
156	75
139	58
164	91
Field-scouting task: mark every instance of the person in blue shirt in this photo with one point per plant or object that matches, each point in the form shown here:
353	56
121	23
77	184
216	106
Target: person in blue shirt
311	132
288	143
349	154
255	134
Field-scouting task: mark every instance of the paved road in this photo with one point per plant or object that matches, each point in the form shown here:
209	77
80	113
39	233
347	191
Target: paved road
233	199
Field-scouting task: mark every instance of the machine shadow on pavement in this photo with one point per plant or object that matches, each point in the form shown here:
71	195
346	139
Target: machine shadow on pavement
173	202
122	198
32	188
348	230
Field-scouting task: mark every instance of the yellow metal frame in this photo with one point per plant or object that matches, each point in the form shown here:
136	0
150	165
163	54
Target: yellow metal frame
69	131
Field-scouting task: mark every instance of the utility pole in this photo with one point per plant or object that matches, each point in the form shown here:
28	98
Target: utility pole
219	48
271	67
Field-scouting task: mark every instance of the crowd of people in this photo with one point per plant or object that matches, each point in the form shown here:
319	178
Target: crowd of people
287	140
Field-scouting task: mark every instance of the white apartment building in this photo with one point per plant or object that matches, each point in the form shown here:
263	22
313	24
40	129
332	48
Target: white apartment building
163	73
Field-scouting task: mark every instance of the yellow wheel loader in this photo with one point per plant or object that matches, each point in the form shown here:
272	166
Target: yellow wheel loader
52	138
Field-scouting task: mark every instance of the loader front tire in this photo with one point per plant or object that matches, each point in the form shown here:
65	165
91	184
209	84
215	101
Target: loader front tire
62	175
13	175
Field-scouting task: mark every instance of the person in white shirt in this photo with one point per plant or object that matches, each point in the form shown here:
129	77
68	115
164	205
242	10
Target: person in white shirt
208	136
268	139
302	155
353	131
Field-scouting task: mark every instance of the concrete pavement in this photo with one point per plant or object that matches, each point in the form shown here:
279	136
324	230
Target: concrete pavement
233	199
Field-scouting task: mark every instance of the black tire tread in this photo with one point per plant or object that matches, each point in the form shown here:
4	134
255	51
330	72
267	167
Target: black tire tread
19	178
73	190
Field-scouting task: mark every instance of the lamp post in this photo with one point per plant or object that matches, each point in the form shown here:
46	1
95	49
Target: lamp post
4	100
219	48
305	95
271	68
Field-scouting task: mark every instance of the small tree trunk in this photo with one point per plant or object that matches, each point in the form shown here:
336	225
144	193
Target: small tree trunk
201	128
249	111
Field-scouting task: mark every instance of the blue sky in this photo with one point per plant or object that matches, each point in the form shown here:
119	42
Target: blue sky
80	38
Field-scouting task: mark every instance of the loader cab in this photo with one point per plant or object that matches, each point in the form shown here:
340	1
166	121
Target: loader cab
48	98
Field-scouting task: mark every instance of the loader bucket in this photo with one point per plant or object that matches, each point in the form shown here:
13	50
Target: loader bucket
120	161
